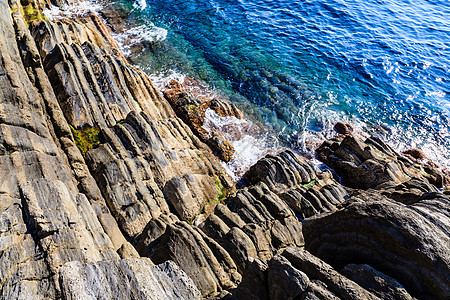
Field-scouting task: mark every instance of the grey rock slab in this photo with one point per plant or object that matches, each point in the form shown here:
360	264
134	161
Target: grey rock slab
285	281
131	278
407	242
315	268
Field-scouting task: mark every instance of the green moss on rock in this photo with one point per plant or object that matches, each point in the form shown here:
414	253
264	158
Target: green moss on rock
309	184
222	192
86	138
30	13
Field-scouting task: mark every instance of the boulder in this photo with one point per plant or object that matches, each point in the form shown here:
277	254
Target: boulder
342	128
373	164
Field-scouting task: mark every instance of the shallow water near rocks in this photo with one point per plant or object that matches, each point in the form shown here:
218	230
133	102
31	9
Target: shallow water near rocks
298	67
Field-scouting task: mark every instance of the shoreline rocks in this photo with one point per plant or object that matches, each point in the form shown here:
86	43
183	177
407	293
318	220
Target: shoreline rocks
192	111
99	179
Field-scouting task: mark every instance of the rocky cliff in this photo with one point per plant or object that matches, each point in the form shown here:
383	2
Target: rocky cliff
109	192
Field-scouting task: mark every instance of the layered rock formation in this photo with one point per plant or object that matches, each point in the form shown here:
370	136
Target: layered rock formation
100	180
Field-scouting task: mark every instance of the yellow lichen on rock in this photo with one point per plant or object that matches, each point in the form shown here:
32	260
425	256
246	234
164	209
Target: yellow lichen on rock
30	13
86	138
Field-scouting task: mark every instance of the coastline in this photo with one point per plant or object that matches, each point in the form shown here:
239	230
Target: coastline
105	181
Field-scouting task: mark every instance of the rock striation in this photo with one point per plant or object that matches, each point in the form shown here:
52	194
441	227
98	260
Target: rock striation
137	278
374	164
108	189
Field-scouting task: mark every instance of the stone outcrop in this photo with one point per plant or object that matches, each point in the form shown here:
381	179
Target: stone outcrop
254	223
101	176
407	242
372	163
59	79
192	109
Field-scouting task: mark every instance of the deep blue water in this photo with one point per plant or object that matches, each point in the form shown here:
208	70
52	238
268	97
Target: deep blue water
300	66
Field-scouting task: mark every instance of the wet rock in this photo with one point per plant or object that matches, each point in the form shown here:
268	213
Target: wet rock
220	147
414	153
372	163
192	110
342	128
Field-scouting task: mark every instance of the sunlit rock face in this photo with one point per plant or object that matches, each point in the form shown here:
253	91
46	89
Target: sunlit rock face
107	191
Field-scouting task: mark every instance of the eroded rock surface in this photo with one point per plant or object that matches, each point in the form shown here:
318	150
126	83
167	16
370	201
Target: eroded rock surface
134	278
99	178
407	242
372	163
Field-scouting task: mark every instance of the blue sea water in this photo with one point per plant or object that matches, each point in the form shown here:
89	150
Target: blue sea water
299	66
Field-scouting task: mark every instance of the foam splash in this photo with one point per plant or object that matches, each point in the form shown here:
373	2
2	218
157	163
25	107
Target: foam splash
249	148
160	80
136	35
77	9
399	138
244	135
140	4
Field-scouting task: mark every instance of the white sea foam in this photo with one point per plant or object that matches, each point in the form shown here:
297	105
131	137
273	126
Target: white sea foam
160	80
402	139
76	9
140	4
135	35
248	148
244	135
399	138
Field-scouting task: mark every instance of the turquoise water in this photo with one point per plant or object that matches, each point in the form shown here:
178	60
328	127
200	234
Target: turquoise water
300	66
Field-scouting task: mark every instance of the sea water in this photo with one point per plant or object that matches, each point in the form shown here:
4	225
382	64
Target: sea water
300	66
